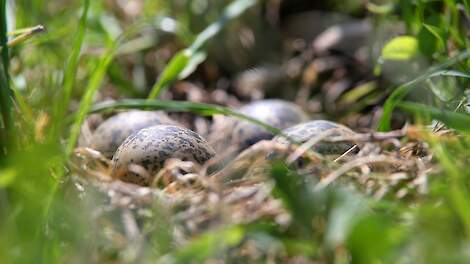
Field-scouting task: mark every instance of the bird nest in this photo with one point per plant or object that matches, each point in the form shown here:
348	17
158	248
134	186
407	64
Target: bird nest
191	199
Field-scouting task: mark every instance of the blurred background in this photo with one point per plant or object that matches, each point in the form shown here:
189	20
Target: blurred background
339	60
314	53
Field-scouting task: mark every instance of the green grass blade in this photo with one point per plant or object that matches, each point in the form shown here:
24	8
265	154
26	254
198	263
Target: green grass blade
451	73
4	36
181	62
403	90
438	33
85	105
232	11
72	64
454	120
171	72
458	195
5	92
179	106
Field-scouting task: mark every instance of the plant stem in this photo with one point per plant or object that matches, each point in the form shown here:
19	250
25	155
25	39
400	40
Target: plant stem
5	93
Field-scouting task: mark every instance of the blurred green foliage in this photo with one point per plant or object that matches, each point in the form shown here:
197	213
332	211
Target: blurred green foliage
439	29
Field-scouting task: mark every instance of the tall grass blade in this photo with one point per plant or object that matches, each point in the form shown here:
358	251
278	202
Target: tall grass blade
181	61
232	11
171	72
179	106
72	66
457	193
403	90
5	92
85	105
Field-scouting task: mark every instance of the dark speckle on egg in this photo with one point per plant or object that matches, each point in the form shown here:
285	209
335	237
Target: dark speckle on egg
151	146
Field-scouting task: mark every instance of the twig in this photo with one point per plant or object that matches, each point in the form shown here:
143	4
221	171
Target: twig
309	144
372	136
245	158
356	163
346	153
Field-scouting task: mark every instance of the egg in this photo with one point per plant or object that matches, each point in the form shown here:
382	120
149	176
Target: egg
151	147
279	114
303	132
111	133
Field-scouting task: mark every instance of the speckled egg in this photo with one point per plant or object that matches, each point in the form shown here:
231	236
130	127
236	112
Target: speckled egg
303	132
112	132
151	146
276	113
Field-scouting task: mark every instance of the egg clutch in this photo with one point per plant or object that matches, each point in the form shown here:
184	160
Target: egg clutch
146	139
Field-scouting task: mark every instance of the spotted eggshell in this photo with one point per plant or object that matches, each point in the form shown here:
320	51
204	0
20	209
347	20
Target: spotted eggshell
151	146
276	113
303	132
112	132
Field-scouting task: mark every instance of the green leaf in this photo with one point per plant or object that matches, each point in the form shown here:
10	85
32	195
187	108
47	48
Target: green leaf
400	48
355	94
438	33
378	9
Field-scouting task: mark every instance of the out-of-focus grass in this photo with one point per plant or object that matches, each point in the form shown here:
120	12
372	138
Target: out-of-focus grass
189	58
5	92
72	66
440	33
41	222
